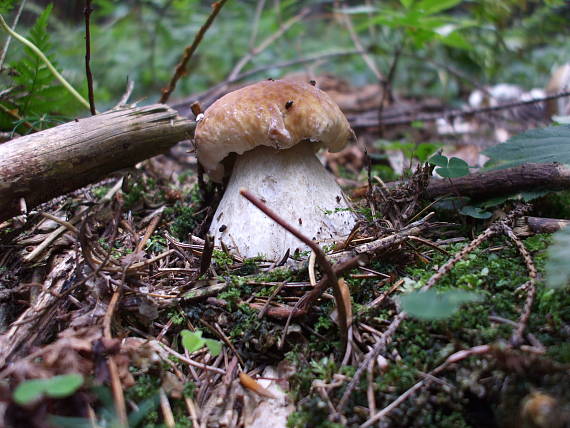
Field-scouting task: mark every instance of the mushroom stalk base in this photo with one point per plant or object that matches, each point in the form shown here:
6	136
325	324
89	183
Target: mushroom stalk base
293	183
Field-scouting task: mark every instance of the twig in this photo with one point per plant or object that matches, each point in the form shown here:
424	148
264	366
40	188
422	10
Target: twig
46	61
362	252
116	386
9	38
126	95
430	244
454	358
443	270
266	43
311	268
269	299
207	252
255	26
61	222
54	235
161	347
372	354
330	275
87	13
189	51
396	119
220	86
356	40
530	285
166	409
148	232
381	343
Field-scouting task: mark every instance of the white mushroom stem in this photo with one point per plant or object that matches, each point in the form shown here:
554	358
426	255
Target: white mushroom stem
294	184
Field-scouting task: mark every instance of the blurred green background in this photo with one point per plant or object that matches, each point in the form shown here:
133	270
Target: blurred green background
442	46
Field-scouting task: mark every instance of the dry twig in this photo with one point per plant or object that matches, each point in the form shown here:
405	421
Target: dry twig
189	51
330	275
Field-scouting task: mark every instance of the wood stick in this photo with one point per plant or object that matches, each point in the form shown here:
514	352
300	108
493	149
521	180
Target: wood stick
58	160
487	184
501	182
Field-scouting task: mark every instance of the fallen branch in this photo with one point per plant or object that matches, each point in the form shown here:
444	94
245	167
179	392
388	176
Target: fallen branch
488	184
50	163
370	119
528	226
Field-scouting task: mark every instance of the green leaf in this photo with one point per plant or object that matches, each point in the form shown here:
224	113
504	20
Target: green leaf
28	391
407	3
558	262
214	346
430	7
424	150
56	387
456	40
192	340
475	212
63	386
546	145
457	168
449	168
438	160
430	305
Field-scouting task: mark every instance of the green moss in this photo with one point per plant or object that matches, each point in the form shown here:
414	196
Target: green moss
184	220
275	275
496	271
133	195
100	191
222	260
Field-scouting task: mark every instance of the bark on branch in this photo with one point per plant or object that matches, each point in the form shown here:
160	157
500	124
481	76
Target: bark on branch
53	162
488	184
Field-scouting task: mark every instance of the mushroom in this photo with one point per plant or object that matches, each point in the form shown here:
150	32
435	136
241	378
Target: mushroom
270	132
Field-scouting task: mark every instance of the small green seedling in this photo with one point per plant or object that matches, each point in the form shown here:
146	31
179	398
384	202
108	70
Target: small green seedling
193	341
32	390
449	168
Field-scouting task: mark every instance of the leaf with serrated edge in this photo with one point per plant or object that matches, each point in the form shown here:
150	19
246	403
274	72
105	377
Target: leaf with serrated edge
546	145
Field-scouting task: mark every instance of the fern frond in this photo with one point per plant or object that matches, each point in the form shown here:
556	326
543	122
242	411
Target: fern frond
38	92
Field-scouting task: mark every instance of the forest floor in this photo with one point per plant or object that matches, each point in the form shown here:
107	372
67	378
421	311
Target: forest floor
118	283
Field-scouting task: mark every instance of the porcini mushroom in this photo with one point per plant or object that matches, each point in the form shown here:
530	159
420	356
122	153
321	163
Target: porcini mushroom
271	131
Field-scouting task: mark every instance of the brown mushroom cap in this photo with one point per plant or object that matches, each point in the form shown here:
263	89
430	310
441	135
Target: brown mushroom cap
274	113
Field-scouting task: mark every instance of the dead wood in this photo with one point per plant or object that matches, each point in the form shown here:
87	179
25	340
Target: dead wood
528	226
488	184
53	162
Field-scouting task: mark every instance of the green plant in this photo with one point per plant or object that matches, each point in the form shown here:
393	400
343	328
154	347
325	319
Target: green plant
193	341
411	150
61	386
449	168
222	259
544	145
37	101
423	22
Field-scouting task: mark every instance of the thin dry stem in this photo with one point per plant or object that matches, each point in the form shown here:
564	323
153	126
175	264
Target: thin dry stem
330	275
189	51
